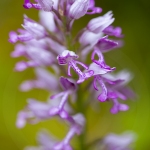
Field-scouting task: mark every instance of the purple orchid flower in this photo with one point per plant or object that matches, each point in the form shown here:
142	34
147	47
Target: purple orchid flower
33	30
37	111
68	57
45	80
100	61
98	24
33	113
94	32
119	142
48	142
37	56
69	88
113	87
98	71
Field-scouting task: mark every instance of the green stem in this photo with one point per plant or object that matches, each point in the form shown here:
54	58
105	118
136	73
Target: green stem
79	103
81	109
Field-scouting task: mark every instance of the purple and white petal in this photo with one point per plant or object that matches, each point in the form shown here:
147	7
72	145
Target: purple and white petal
20	50
119	142
67	85
105	45
113	31
45	80
78	9
98	24
34	28
47	20
46	5
97	69
13	37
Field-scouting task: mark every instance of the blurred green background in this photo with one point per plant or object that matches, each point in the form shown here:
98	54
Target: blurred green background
134	17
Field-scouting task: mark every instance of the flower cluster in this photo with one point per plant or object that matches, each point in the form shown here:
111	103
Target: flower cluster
50	43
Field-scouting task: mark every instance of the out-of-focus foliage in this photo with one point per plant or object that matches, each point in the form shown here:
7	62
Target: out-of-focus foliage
134	17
